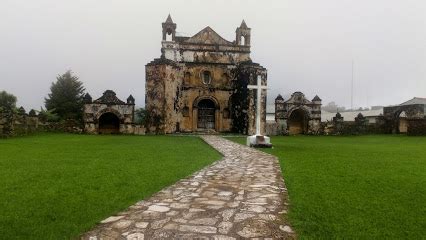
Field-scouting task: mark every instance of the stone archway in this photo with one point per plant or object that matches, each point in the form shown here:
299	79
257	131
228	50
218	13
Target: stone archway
206	119
402	122
109	123
297	122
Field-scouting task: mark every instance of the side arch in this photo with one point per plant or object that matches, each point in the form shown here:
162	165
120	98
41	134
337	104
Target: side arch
298	121
400	122
109	110
109	123
302	108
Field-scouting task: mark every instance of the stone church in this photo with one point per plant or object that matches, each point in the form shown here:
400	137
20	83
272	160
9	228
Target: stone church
199	84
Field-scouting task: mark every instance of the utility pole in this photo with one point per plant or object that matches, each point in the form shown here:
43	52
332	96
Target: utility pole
352	86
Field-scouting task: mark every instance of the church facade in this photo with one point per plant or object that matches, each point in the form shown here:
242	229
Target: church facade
199	84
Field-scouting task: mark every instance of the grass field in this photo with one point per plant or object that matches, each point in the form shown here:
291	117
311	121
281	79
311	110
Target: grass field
355	187
56	186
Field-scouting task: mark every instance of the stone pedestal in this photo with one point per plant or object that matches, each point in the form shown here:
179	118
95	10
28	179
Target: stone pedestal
259	141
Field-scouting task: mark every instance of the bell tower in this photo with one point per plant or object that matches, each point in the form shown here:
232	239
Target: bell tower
169	29
243	34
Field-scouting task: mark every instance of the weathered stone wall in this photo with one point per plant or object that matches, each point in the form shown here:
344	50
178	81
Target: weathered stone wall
345	128
174	89
157	74
314	127
21	123
417	127
69	126
382	125
413	119
6	123
339	127
411	112
18	123
186	52
154	97
139	130
24	124
275	129
248	75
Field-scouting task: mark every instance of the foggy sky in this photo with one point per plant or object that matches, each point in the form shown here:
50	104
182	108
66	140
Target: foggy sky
306	45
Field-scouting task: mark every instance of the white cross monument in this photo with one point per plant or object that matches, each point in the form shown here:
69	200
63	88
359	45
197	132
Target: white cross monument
258	140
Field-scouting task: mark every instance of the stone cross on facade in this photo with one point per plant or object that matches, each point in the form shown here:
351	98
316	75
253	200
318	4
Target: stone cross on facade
259	89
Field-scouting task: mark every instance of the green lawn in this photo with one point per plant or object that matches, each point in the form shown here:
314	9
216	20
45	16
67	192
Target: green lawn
56	186
355	187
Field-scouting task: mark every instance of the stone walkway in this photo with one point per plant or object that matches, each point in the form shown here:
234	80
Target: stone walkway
241	196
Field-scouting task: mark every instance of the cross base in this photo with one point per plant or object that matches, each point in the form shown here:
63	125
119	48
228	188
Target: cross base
259	141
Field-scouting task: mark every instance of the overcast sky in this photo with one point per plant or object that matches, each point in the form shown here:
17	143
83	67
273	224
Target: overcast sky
306	45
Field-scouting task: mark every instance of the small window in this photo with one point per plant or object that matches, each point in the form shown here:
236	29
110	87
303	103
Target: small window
207	77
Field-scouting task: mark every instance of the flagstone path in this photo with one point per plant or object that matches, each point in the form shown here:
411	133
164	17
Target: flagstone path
241	196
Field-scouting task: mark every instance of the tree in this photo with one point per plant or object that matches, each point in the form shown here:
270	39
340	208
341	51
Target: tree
141	116
66	97
7	101
7	109
47	115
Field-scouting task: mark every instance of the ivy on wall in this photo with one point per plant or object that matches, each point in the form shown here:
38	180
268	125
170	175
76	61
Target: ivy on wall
240	100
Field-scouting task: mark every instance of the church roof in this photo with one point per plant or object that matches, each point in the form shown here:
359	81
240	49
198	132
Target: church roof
208	36
109	97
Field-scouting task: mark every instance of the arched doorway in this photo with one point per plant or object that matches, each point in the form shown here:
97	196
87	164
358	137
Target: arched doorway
206	114
402	122
297	123
109	123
